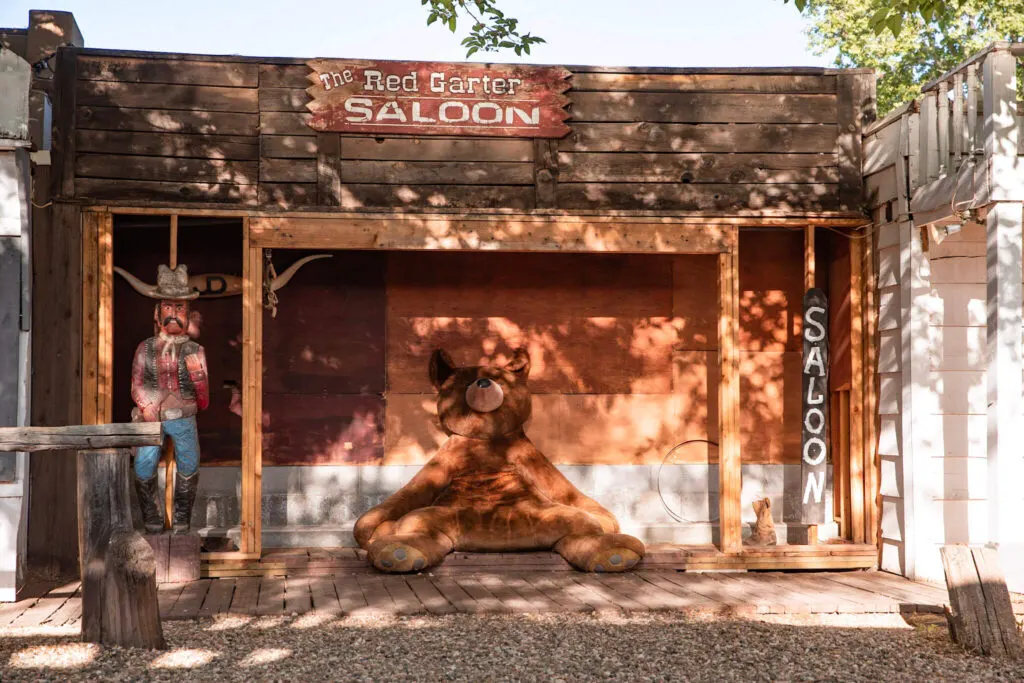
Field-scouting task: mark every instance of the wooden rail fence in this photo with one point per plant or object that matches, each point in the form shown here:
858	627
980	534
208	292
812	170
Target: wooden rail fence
119	594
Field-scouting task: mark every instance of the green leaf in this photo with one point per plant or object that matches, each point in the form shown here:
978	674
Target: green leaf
471	51
452	23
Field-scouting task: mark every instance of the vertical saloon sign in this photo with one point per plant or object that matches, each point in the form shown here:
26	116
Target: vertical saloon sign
815	407
424	98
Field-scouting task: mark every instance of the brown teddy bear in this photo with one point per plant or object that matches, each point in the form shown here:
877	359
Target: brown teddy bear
488	488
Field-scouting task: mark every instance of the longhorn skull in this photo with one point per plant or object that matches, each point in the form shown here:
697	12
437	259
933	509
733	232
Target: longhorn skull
216	285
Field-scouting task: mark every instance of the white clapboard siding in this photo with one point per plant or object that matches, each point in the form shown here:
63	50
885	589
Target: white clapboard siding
960	393
957	349
880	187
957	304
959	478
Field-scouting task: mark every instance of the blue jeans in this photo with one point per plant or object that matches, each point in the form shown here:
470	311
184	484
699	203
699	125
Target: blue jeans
186	449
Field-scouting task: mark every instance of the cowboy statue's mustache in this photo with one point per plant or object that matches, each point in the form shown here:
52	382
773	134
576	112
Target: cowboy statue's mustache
173	319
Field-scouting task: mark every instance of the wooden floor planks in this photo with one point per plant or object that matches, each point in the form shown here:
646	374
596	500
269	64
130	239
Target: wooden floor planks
513	590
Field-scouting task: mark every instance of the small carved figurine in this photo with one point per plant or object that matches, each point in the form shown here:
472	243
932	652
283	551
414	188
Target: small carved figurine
764	528
169	386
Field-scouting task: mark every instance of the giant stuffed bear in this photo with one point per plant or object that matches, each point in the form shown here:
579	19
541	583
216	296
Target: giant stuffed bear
488	488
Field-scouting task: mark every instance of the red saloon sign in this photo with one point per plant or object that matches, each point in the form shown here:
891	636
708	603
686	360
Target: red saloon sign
438	98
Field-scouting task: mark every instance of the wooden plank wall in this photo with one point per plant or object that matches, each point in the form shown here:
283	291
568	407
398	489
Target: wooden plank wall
624	347
167	128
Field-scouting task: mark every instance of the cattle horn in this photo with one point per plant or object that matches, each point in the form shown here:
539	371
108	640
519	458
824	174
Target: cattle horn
282	279
137	284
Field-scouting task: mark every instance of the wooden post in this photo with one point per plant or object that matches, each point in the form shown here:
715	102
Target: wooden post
170	468
809	259
252	393
172	259
729	464
943	128
929	146
1005	314
119	597
959	132
972	109
105	319
980	613
870	390
809	283
856	402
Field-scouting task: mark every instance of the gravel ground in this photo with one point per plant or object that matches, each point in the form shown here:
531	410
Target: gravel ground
569	648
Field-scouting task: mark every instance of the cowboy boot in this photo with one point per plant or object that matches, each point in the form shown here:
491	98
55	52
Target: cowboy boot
151	517
184	498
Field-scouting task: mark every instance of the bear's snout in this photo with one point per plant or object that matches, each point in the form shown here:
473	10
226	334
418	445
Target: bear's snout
483	395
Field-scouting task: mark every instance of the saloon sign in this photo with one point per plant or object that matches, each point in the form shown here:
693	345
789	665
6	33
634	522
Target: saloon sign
814	458
437	98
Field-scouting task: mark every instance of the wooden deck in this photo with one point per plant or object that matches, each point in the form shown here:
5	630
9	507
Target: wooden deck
328	561
367	593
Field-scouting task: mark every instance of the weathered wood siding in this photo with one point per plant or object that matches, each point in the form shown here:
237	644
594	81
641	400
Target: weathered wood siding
168	128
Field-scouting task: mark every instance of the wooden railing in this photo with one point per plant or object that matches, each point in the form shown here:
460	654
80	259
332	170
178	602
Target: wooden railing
967	133
119	599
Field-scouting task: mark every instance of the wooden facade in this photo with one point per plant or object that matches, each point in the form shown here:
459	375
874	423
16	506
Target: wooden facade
653	261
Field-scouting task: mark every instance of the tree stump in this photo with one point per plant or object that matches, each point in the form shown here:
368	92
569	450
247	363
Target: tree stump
119	598
980	614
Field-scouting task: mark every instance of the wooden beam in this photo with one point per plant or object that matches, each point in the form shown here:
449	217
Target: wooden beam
943	128
64	122
809	265
252	392
856	394
768	218
844	463
809	283
90	316
501	234
729	465
79	437
105	319
172	260
872	501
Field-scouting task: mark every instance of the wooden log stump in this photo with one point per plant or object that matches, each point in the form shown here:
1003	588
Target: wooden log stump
177	556
980	614
119	597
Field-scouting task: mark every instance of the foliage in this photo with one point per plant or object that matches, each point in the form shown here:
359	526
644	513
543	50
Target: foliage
919	50
491	30
894	14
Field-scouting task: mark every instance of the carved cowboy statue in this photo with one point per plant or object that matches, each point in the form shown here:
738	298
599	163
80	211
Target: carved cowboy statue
169	386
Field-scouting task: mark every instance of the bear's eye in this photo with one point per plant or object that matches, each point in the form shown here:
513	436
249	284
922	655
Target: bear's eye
483	383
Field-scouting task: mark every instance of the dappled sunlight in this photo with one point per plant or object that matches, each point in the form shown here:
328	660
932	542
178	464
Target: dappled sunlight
63	656
227	622
184	659
264	656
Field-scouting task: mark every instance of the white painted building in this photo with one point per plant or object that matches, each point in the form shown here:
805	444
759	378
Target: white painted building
15	191
946	184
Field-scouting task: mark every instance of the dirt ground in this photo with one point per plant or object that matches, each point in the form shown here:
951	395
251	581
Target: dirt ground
652	647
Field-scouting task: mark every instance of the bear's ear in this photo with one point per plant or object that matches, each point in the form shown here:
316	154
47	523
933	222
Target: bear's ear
441	367
520	363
